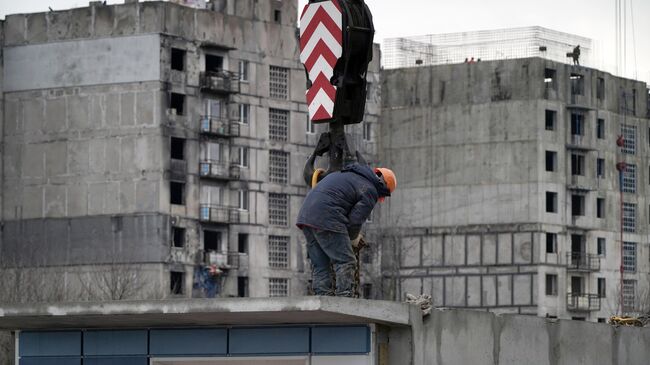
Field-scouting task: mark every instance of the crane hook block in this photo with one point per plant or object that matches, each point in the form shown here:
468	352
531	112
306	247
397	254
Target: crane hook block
335	48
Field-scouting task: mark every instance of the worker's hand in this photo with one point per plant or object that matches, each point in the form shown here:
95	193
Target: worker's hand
355	242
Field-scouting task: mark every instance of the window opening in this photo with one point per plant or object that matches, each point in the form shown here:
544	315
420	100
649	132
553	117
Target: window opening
176	193
178	59
178	237
177	148
177	282
577	205
213	63
551	202
212	241
177	102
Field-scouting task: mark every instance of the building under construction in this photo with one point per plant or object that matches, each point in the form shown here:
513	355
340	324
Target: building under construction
498	44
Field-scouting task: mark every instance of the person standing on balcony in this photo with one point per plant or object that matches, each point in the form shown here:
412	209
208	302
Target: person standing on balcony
331	218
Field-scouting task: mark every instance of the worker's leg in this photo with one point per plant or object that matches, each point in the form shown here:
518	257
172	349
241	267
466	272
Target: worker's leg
339	249
321	277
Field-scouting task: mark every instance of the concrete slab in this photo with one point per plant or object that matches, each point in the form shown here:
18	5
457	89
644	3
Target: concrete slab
204	312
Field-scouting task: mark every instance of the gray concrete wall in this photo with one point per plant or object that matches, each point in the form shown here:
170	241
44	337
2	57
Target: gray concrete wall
465	337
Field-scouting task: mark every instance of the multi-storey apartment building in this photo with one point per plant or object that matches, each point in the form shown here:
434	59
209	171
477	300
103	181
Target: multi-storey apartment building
509	197
156	150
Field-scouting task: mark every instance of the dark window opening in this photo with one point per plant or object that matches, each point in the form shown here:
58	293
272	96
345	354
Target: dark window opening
178	59
602	320
178	148
600	167
176	192
213	63
242	286
602	292
551	243
549	78
212	241
551	160
577	205
600	208
177	101
551	202
576	285
600	129
176	282
577	124
577	84
577	164
600	88
551	284
579	319
178	237
242	243
578	244
367	291
551	116
600	246
277	16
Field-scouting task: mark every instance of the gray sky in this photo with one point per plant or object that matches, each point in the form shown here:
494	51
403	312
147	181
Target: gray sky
589	18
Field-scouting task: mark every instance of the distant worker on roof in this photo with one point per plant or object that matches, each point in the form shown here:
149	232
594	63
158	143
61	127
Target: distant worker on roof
331	218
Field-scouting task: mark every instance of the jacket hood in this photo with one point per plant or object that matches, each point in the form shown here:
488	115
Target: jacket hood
369	175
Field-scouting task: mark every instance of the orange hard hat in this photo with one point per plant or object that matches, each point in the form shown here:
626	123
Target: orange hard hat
389	177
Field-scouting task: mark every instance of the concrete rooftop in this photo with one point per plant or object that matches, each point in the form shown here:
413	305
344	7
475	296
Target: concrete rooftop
204	312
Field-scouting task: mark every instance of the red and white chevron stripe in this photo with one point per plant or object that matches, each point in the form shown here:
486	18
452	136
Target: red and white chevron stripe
321	46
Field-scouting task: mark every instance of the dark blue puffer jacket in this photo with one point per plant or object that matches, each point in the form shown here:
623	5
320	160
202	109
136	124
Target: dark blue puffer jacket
342	201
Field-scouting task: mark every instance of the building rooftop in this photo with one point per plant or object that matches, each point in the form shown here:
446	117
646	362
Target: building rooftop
205	312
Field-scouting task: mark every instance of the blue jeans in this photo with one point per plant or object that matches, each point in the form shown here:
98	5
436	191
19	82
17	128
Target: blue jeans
324	249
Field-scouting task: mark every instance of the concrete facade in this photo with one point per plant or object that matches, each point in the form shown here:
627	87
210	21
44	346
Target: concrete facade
111	110
471	217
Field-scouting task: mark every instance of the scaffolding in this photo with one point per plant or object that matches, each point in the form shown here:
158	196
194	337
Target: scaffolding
498	44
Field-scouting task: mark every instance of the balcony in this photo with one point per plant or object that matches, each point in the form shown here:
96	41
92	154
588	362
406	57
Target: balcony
218	214
582	302
222	82
579	142
218	126
578	261
224	260
219	170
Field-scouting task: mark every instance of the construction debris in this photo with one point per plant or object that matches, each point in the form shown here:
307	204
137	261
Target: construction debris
422	300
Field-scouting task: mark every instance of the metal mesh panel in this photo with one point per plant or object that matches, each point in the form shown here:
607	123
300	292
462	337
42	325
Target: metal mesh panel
629	217
278	82
629	135
629	256
629	179
279	251
278	166
278	124
278	209
278	287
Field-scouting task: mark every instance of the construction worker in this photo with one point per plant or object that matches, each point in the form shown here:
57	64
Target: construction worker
331	218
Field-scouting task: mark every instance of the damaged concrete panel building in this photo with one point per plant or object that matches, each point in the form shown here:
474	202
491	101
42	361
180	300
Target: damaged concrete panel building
509	194
155	150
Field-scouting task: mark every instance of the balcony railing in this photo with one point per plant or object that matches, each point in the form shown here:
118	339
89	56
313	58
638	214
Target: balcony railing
219	126
177	169
582	302
220	81
224	260
579	261
222	170
218	214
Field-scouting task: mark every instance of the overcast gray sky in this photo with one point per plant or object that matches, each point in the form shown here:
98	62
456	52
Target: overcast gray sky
589	18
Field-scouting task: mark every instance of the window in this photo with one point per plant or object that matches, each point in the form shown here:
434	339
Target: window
551	284
629	257
278	287
551	202
600	167
243	70
177	102
577	205
629	217
278	209
242	286
278	82
242	160
176	282
367	291
243	199
176	193
577	164
311	127
244	113
178	59
629	139
549	78
577	124
212	241
600	207
279	252
366	131
242	243
213	63
551	160
577	84
602	320
551	117
551	242
629	295
600	128
278	124
600	88
277	16
601	249
178	237
178	148
602	292
278	166
629	179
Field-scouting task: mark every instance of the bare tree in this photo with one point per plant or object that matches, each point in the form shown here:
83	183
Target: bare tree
112	282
